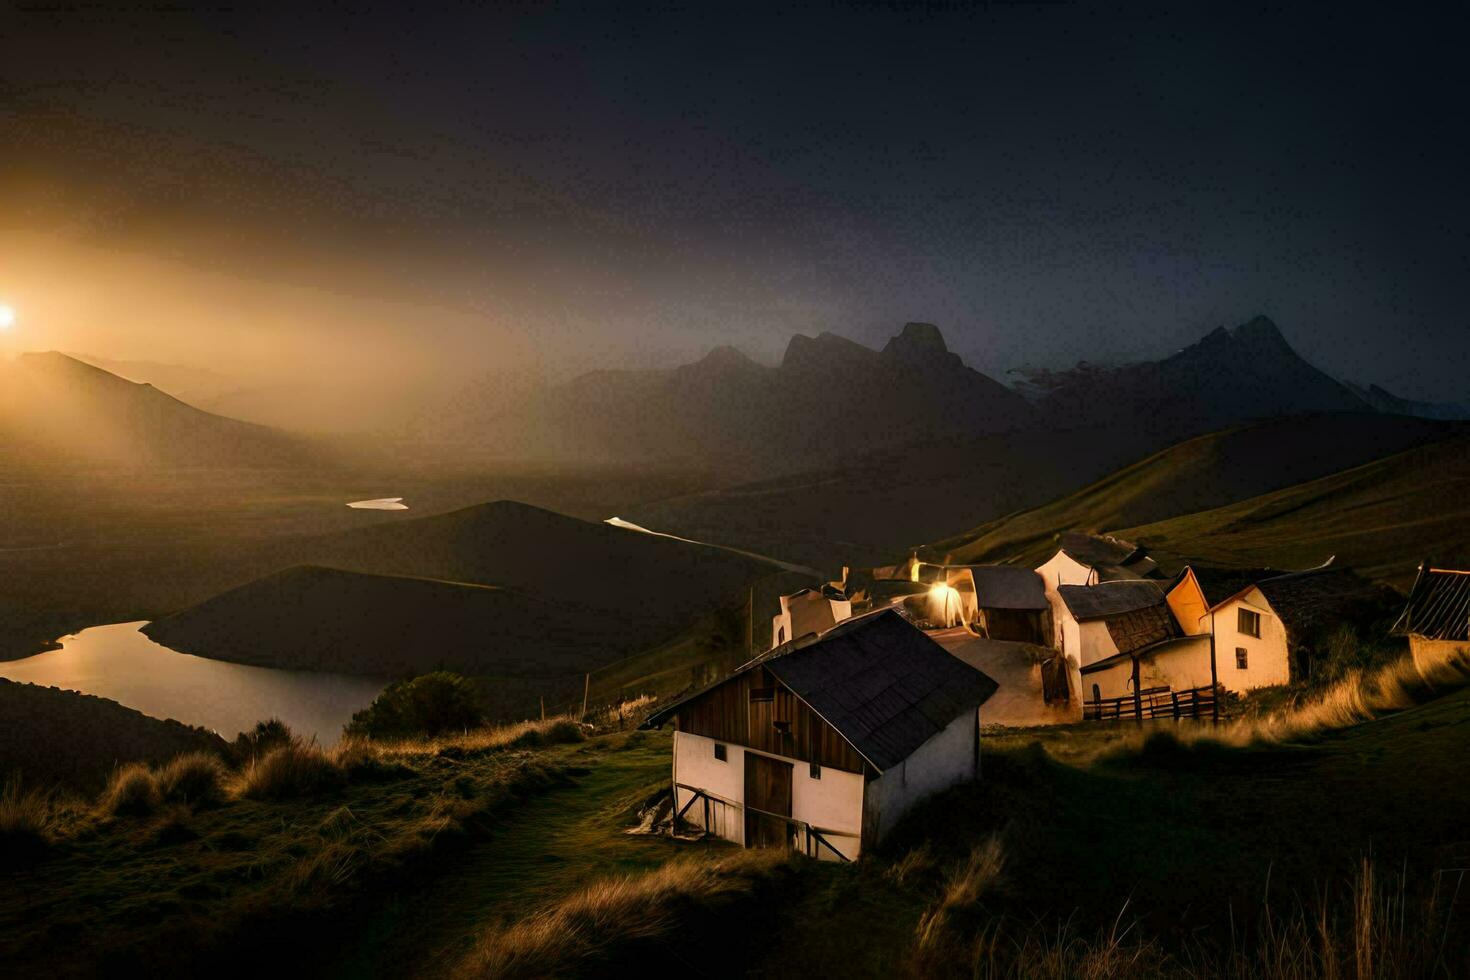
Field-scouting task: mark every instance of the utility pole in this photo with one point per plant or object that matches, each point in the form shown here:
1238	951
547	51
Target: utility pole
1214	675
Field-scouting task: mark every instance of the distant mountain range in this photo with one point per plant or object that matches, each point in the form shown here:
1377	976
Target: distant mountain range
1387	401
829	397
53	405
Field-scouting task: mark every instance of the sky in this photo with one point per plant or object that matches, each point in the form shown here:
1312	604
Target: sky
405	192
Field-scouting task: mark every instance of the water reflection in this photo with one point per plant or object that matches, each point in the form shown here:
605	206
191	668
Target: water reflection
120	663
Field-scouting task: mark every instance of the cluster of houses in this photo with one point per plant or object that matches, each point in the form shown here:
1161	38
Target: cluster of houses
873	692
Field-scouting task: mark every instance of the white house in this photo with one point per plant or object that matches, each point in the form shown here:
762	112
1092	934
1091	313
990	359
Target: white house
1087	559
809	611
823	744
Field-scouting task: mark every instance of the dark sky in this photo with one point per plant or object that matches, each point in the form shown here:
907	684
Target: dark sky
596	185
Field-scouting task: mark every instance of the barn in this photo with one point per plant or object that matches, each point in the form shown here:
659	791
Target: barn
824	743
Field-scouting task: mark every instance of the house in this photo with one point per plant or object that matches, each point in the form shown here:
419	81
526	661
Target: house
1113	630
1268	632
824	743
1198	588
809	611
1087	559
1001	602
1032	680
1436	619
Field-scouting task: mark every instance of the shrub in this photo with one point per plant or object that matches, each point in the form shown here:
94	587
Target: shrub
288	772
427	705
196	778
133	791
266	735
25	819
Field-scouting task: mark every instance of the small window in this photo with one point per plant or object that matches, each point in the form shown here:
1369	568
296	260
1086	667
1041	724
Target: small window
1096	693
816	771
780	636
1249	623
1242	659
720	751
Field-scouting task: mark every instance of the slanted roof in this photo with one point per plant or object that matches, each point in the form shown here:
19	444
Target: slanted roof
1106	599
882	684
1007	587
1093	550
1219	584
1438	606
1322	597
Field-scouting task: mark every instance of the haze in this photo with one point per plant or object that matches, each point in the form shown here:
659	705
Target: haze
384	207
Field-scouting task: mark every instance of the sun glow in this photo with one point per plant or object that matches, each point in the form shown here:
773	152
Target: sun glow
7	317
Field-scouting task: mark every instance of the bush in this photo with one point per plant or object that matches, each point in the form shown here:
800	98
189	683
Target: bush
133	791
196	778
290	771
427	705
24	824
266	735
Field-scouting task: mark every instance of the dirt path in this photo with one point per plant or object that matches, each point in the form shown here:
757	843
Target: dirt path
546	848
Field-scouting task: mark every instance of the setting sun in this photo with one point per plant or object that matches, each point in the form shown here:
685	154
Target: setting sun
7	317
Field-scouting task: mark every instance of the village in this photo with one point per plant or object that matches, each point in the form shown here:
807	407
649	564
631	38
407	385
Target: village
878	689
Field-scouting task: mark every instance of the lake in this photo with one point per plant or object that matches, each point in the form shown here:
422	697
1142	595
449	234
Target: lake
122	664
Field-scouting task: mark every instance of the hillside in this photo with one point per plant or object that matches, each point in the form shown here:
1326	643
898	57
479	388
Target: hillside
1382	518
55	406
315	618
1198	474
52	737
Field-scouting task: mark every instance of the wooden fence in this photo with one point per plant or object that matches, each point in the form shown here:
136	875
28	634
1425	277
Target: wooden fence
801	835
1155	702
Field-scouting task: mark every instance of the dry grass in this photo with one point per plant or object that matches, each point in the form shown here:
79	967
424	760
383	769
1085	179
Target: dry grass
521	735
288	772
196	778
132	791
586	929
25	823
964	885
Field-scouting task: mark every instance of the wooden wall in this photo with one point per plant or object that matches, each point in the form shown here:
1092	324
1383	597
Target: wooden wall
744	711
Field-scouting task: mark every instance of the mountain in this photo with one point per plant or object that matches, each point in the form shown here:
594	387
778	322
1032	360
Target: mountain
1387	401
194	385
828	397
315	618
1197	474
1228	377
58	406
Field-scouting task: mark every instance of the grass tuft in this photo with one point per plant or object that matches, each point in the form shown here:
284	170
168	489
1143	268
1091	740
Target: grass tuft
25	824
196	779
590	927
133	792
289	772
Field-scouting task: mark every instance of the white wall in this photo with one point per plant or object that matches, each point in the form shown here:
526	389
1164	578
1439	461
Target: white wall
1268	660
1179	666
833	802
1062	569
946	760
695	765
1094	642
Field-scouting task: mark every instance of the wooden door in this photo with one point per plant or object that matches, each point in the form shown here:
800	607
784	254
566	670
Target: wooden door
768	789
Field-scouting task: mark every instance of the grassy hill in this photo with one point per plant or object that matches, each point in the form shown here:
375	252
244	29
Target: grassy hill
1199	474
1382	518
52	737
496	854
315	618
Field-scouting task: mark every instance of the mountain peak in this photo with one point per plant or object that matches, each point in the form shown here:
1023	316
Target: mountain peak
725	357
920	344
1261	333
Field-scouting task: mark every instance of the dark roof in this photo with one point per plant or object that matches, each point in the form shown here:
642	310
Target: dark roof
885	686
1322	597
1219	584
1438	606
1007	587
1098	549
1110	598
